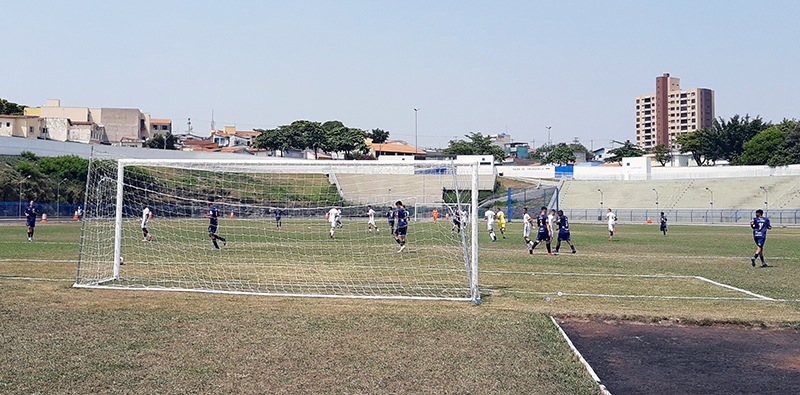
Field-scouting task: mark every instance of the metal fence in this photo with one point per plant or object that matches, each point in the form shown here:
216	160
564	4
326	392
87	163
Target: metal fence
685	216
14	209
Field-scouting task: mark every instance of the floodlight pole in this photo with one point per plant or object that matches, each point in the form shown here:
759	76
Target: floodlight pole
549	143
416	136
712	197
766	198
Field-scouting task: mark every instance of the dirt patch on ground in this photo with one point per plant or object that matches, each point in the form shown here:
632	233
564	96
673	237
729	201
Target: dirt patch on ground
639	358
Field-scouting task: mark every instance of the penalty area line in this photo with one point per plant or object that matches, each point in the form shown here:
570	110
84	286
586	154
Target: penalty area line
633	296
701	278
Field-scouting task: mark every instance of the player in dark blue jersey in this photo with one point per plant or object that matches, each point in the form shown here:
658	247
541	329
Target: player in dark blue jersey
663	224
760	225
401	215
212	226
545	233
563	231
30	219
278	214
456	222
390	218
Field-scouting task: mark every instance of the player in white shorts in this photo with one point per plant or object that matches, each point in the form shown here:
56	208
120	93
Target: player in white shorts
146	216
333	217
489	215
612	221
527	223
371	221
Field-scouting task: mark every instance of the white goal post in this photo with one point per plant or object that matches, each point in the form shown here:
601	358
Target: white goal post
272	234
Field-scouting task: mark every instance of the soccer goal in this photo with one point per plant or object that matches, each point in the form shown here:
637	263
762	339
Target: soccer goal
274	231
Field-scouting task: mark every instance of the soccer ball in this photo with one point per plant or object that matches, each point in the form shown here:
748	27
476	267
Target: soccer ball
121	260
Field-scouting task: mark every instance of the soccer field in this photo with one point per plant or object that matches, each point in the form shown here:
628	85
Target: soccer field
60	339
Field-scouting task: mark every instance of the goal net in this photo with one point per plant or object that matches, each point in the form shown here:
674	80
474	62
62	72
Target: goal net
274	229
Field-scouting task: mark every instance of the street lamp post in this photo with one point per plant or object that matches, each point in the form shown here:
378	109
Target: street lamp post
549	143
416	136
601	197
58	198
654	190
19	208
712	197
766	198
599	217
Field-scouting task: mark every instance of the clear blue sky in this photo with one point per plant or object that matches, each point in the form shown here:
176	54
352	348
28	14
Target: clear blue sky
487	66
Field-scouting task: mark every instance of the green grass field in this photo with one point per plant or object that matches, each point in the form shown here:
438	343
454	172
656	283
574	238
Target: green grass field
57	339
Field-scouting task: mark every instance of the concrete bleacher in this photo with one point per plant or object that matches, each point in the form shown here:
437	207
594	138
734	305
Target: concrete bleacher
728	193
410	188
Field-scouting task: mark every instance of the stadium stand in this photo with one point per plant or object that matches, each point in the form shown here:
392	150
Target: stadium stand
728	193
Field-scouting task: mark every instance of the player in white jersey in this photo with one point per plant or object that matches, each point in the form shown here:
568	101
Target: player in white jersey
489	215
333	217
527	223
371	221
551	219
612	222
146	216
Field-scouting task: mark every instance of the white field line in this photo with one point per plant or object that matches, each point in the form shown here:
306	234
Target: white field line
719	284
734	288
35	278
577	353
601	255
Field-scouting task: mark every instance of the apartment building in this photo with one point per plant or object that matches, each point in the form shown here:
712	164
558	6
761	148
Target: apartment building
670	112
26	126
108	125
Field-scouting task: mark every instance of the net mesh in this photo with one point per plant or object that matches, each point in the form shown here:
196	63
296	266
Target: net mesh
272	230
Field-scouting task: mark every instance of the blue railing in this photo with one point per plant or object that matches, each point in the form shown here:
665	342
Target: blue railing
685	216
13	209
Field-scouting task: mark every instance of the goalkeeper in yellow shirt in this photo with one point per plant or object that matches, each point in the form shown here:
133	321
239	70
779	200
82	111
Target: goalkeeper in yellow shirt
501	222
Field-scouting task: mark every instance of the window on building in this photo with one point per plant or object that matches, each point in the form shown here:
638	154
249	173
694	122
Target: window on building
637	100
693	107
44	130
155	127
164	127
31	129
8	124
694	100
637	107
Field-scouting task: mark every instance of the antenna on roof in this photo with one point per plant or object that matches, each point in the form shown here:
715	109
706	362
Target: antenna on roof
189	126
213	124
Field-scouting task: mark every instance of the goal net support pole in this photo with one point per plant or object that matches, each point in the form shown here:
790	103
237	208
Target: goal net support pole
474	291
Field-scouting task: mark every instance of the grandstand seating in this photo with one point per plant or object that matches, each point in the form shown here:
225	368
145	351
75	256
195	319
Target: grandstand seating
729	193
364	189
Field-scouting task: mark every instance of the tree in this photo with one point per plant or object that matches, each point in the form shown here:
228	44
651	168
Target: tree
282	138
731	135
627	150
313	135
379	136
777	146
663	154
348	140
9	108
560	155
157	141
478	145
